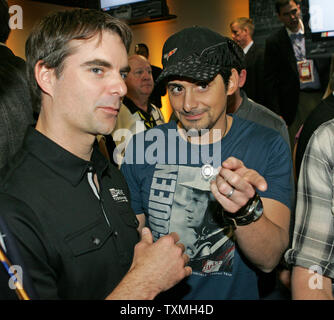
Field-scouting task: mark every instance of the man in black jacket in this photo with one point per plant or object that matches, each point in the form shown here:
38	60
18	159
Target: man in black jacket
322	113
67	208
293	84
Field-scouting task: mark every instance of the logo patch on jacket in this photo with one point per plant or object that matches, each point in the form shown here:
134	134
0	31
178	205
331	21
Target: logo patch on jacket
118	195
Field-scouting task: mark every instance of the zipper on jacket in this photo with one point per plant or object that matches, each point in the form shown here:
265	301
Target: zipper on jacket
90	176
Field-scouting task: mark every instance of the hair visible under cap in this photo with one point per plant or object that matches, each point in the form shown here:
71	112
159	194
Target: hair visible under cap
238	61
49	40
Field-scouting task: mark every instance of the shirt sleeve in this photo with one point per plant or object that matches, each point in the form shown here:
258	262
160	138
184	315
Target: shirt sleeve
278	172
313	237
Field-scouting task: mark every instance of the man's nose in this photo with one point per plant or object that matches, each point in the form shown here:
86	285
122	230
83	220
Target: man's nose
189	101
118	86
293	14
147	75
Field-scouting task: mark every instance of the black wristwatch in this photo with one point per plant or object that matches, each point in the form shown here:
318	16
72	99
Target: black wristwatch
251	212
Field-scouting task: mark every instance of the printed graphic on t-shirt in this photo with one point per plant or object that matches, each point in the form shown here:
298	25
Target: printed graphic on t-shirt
181	201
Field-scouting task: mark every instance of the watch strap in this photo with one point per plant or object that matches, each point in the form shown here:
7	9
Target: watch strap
249	213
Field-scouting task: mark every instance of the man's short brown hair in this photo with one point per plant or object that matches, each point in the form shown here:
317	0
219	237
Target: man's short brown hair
49	40
282	3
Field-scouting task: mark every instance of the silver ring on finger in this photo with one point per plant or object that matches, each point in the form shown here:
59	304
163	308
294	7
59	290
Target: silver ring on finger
229	195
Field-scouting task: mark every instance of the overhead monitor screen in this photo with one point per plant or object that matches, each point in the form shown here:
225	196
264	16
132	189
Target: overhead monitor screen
321	15
109	4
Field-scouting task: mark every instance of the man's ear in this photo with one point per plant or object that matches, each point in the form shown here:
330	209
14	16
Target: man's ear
45	77
242	77
233	83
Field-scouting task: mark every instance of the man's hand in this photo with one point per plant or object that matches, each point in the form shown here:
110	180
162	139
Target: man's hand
163	263
235	184
264	241
156	267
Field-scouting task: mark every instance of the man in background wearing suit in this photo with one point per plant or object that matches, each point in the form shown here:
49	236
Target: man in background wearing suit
242	30
293	84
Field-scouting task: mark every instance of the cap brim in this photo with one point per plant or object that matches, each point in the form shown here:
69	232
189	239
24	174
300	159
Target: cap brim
190	69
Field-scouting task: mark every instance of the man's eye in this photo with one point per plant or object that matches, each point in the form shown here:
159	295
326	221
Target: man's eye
175	89
97	70
138	73
203	85
124	75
